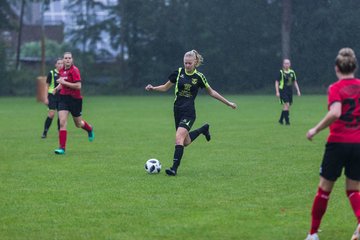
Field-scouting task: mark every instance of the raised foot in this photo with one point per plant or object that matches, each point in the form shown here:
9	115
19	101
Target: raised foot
207	132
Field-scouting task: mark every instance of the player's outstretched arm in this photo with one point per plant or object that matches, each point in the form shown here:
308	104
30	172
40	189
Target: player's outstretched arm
160	88
333	114
218	96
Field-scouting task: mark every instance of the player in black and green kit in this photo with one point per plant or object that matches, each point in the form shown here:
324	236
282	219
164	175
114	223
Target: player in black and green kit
53	96
187	82
284	90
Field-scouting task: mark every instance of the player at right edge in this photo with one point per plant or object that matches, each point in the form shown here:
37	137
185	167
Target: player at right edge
343	144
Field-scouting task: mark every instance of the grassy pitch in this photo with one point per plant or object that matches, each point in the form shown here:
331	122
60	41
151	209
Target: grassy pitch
254	180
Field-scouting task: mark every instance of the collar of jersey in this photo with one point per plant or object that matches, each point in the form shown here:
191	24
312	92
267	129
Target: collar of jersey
289	70
67	69
192	73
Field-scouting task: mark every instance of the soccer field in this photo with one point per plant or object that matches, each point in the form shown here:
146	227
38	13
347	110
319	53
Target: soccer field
255	179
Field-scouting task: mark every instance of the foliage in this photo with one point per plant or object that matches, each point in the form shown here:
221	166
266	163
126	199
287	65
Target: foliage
7	17
3	71
240	41
87	32
321	28
53	49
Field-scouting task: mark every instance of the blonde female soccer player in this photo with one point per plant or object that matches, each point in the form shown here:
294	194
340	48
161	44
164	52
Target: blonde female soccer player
187	81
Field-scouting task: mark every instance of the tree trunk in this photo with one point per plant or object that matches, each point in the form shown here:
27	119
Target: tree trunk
286	28
43	49
19	35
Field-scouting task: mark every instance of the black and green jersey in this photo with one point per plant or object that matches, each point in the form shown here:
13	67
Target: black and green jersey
186	88
286	79
51	80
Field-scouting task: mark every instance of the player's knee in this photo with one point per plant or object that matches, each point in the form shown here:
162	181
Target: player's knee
180	139
51	114
187	143
62	125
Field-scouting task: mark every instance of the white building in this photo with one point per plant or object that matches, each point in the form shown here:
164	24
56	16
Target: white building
58	13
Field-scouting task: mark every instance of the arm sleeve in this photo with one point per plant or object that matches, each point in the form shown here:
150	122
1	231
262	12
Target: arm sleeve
203	83
49	77
172	77
76	75
279	77
333	95
295	78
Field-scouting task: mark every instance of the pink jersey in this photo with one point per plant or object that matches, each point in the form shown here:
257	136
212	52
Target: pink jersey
346	129
71	75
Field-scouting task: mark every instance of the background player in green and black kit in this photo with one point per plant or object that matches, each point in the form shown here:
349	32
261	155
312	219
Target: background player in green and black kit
187	82
284	90
53	96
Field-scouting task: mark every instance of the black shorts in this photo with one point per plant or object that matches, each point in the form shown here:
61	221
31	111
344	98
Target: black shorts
185	120
73	105
53	101
286	97
338	156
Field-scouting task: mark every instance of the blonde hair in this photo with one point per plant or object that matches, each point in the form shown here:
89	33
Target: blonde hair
198	58
346	61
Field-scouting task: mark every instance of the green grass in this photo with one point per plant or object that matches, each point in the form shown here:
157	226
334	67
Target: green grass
254	180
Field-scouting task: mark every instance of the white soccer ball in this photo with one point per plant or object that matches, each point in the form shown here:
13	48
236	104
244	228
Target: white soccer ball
153	166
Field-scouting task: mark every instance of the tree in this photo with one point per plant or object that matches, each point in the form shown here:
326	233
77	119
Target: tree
17	64
53	49
87	32
7	22
286	28
7	17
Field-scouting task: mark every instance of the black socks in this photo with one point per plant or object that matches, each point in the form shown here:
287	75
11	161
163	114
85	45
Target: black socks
48	122
203	130
179	150
284	115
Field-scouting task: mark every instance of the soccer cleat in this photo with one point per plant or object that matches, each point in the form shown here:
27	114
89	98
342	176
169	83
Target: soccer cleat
207	132
288	123
281	122
313	236
60	151
356	235
170	172
91	135
43	135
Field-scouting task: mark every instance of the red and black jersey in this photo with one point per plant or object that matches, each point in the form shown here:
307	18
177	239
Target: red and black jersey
346	129
71	75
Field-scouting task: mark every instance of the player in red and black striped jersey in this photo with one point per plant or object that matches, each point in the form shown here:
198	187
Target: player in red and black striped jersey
284	90
187	82
343	144
70	101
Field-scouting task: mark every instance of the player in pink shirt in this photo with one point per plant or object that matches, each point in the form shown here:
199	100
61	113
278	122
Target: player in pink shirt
342	149
70	101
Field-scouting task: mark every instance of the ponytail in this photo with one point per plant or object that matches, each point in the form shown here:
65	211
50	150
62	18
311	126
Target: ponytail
198	58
